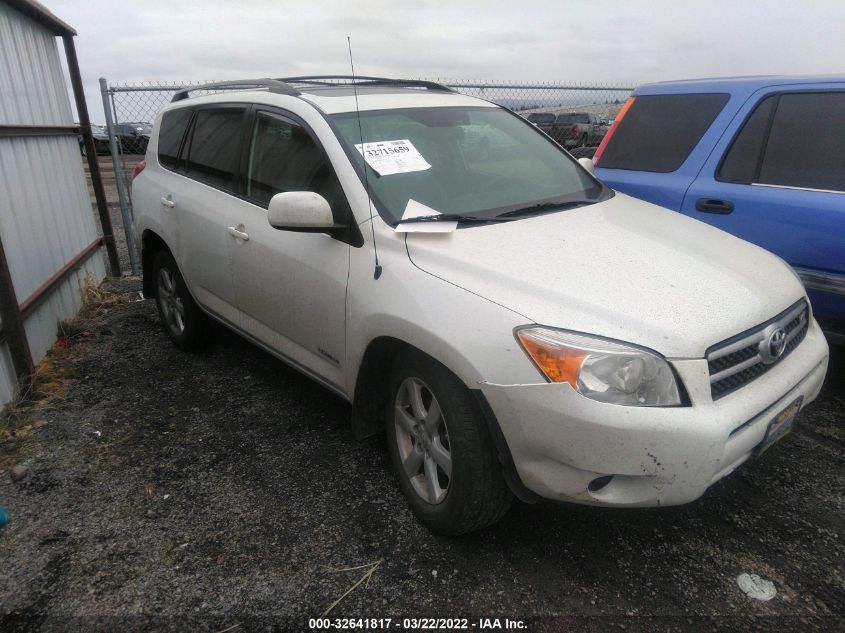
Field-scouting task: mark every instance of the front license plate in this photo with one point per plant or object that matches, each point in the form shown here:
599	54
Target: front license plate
781	425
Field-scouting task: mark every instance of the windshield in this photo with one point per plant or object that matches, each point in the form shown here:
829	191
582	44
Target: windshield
475	162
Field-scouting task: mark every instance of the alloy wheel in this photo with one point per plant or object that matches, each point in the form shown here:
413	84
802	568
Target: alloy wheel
423	440
172	307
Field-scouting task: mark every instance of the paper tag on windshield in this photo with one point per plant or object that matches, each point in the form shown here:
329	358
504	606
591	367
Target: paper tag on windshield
426	227
410	222
414	210
393	157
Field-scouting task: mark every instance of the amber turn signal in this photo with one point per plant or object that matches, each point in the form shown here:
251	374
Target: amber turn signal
559	364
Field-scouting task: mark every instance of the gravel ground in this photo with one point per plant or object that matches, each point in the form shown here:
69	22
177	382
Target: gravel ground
224	491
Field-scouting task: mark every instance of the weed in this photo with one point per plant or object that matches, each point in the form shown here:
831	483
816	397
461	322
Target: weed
47	385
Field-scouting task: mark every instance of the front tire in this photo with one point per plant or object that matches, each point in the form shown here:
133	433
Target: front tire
441	450
185	324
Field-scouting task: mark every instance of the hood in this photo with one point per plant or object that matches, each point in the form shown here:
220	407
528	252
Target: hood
623	269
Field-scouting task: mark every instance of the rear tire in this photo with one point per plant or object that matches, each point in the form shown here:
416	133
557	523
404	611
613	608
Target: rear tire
442	452
185	324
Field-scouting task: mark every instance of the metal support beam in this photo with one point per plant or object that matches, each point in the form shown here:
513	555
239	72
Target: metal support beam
13	325
43	292
91	154
128	222
38	130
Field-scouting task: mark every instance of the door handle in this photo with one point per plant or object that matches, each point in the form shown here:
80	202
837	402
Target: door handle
712	205
235	231
167	201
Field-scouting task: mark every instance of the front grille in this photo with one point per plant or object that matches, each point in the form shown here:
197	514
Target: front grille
739	360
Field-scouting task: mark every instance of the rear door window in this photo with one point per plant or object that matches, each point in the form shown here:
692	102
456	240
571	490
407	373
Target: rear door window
659	131
806	145
792	140
213	151
170	135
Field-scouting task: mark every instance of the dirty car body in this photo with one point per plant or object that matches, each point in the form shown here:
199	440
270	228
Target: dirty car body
611	352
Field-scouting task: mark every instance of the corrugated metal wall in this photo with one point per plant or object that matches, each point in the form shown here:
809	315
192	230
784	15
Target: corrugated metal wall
45	210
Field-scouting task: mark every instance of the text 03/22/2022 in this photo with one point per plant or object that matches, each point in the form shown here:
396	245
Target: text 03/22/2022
416	624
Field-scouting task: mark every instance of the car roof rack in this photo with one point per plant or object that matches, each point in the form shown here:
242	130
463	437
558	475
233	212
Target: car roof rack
272	85
283	85
363	80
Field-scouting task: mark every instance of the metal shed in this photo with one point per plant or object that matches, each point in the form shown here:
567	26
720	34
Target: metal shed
48	236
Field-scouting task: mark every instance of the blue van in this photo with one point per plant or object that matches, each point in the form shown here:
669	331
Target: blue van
760	157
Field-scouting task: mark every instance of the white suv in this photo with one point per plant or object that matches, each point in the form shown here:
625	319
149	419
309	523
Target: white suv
514	325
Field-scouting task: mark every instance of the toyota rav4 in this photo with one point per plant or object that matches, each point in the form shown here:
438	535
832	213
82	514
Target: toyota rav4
513	325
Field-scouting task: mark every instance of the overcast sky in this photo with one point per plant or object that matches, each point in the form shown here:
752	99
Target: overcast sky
628	42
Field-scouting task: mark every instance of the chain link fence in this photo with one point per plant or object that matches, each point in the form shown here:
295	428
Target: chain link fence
141	102
576	115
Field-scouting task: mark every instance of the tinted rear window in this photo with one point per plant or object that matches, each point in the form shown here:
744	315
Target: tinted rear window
573	118
214	145
173	126
658	132
541	118
806	146
743	158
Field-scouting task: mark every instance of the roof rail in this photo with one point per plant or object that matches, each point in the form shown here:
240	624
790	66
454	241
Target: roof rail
361	80
272	85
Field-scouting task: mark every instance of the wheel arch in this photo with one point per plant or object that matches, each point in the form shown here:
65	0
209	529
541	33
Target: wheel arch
372	395
151	243
371	392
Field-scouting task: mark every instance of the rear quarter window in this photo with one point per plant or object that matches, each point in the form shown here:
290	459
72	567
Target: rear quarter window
659	131
171	133
743	158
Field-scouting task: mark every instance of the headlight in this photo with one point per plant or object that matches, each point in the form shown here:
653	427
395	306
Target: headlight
602	370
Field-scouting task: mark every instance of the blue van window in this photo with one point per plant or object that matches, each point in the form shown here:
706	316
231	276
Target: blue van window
742	161
806	145
659	131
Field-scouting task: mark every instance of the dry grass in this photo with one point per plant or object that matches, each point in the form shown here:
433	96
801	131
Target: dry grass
95	297
46	390
371	569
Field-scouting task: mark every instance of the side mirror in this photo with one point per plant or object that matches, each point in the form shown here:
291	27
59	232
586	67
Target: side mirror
587	163
303	211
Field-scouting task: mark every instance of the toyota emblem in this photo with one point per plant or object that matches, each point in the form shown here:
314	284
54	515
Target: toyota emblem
772	347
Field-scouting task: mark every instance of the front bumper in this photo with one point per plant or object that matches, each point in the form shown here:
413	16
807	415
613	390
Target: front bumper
561	441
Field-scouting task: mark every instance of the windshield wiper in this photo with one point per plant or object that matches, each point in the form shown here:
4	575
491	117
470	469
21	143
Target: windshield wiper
447	217
544	207
502	217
